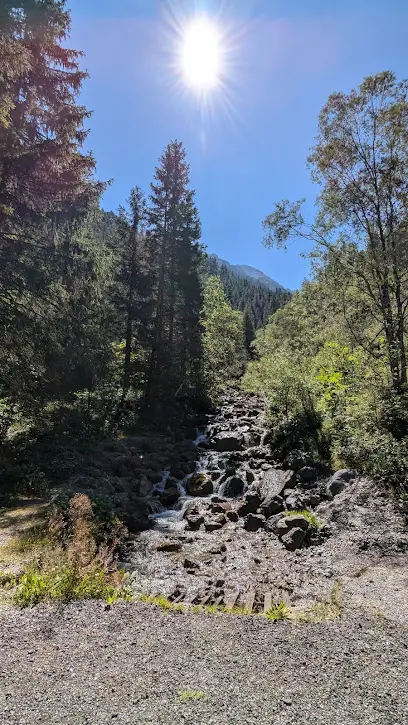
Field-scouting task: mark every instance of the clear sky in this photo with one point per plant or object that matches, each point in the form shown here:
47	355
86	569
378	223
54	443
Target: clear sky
248	144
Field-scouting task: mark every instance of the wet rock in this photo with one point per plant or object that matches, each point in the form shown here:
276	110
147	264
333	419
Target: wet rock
169	545
194	521
293	539
232	516
232	487
339	480
228	441
199	485
272	505
215	475
307	474
249	475
154	476
144	487
253	522
169	496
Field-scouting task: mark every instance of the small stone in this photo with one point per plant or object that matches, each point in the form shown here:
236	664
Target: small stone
169	546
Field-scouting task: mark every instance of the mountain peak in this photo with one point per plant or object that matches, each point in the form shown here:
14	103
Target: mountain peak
250	273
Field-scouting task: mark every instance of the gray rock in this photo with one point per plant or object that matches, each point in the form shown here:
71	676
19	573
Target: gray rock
295	501
138	518
232	487
144	487
307	474
228	441
249	475
250	504
213	525
199	485
293	539
272	505
194	521
275	482
169	545
339	480
296	521
254	522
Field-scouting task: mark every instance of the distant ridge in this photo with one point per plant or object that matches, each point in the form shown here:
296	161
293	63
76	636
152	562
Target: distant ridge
250	273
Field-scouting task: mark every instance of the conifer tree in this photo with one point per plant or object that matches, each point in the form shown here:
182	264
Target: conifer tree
174	231
249	328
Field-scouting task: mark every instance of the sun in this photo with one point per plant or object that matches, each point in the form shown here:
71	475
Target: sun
201	54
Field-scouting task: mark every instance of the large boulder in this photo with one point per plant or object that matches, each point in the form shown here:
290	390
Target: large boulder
281	526
228	441
339	480
199	485
293	539
275	482
232	487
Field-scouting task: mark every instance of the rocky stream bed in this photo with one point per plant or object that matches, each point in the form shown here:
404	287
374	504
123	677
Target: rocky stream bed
218	524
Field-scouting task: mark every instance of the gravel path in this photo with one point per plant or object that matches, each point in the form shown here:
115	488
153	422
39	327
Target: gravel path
83	664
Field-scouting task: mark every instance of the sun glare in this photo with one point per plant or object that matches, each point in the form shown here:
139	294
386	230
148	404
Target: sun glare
201	54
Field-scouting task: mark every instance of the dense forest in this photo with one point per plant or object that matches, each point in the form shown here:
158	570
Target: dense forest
115	318
100	312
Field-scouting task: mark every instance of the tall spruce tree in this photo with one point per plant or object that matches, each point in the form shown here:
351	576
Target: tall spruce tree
249	328
131	277
174	231
45	186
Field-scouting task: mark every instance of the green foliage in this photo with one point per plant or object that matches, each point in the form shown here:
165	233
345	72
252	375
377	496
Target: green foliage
66	583
278	612
313	520
223	339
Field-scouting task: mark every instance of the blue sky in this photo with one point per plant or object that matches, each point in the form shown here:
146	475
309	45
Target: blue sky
247	147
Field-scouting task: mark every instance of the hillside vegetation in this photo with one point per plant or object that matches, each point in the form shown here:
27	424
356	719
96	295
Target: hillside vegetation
333	362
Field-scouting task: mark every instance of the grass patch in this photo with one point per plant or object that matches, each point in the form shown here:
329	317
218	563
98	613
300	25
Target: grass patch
66	582
278	612
161	602
188	695
331	609
313	520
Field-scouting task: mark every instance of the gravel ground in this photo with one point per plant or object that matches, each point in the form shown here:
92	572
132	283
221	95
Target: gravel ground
82	664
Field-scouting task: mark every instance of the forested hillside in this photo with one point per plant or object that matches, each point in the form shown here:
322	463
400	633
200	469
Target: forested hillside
245	294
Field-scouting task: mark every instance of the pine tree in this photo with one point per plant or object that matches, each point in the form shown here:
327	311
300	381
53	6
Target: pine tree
45	186
249	328
131	275
174	230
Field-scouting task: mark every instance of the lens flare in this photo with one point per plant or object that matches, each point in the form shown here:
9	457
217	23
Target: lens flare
201	54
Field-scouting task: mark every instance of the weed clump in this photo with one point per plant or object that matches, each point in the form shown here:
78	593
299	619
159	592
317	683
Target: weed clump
278	612
76	564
